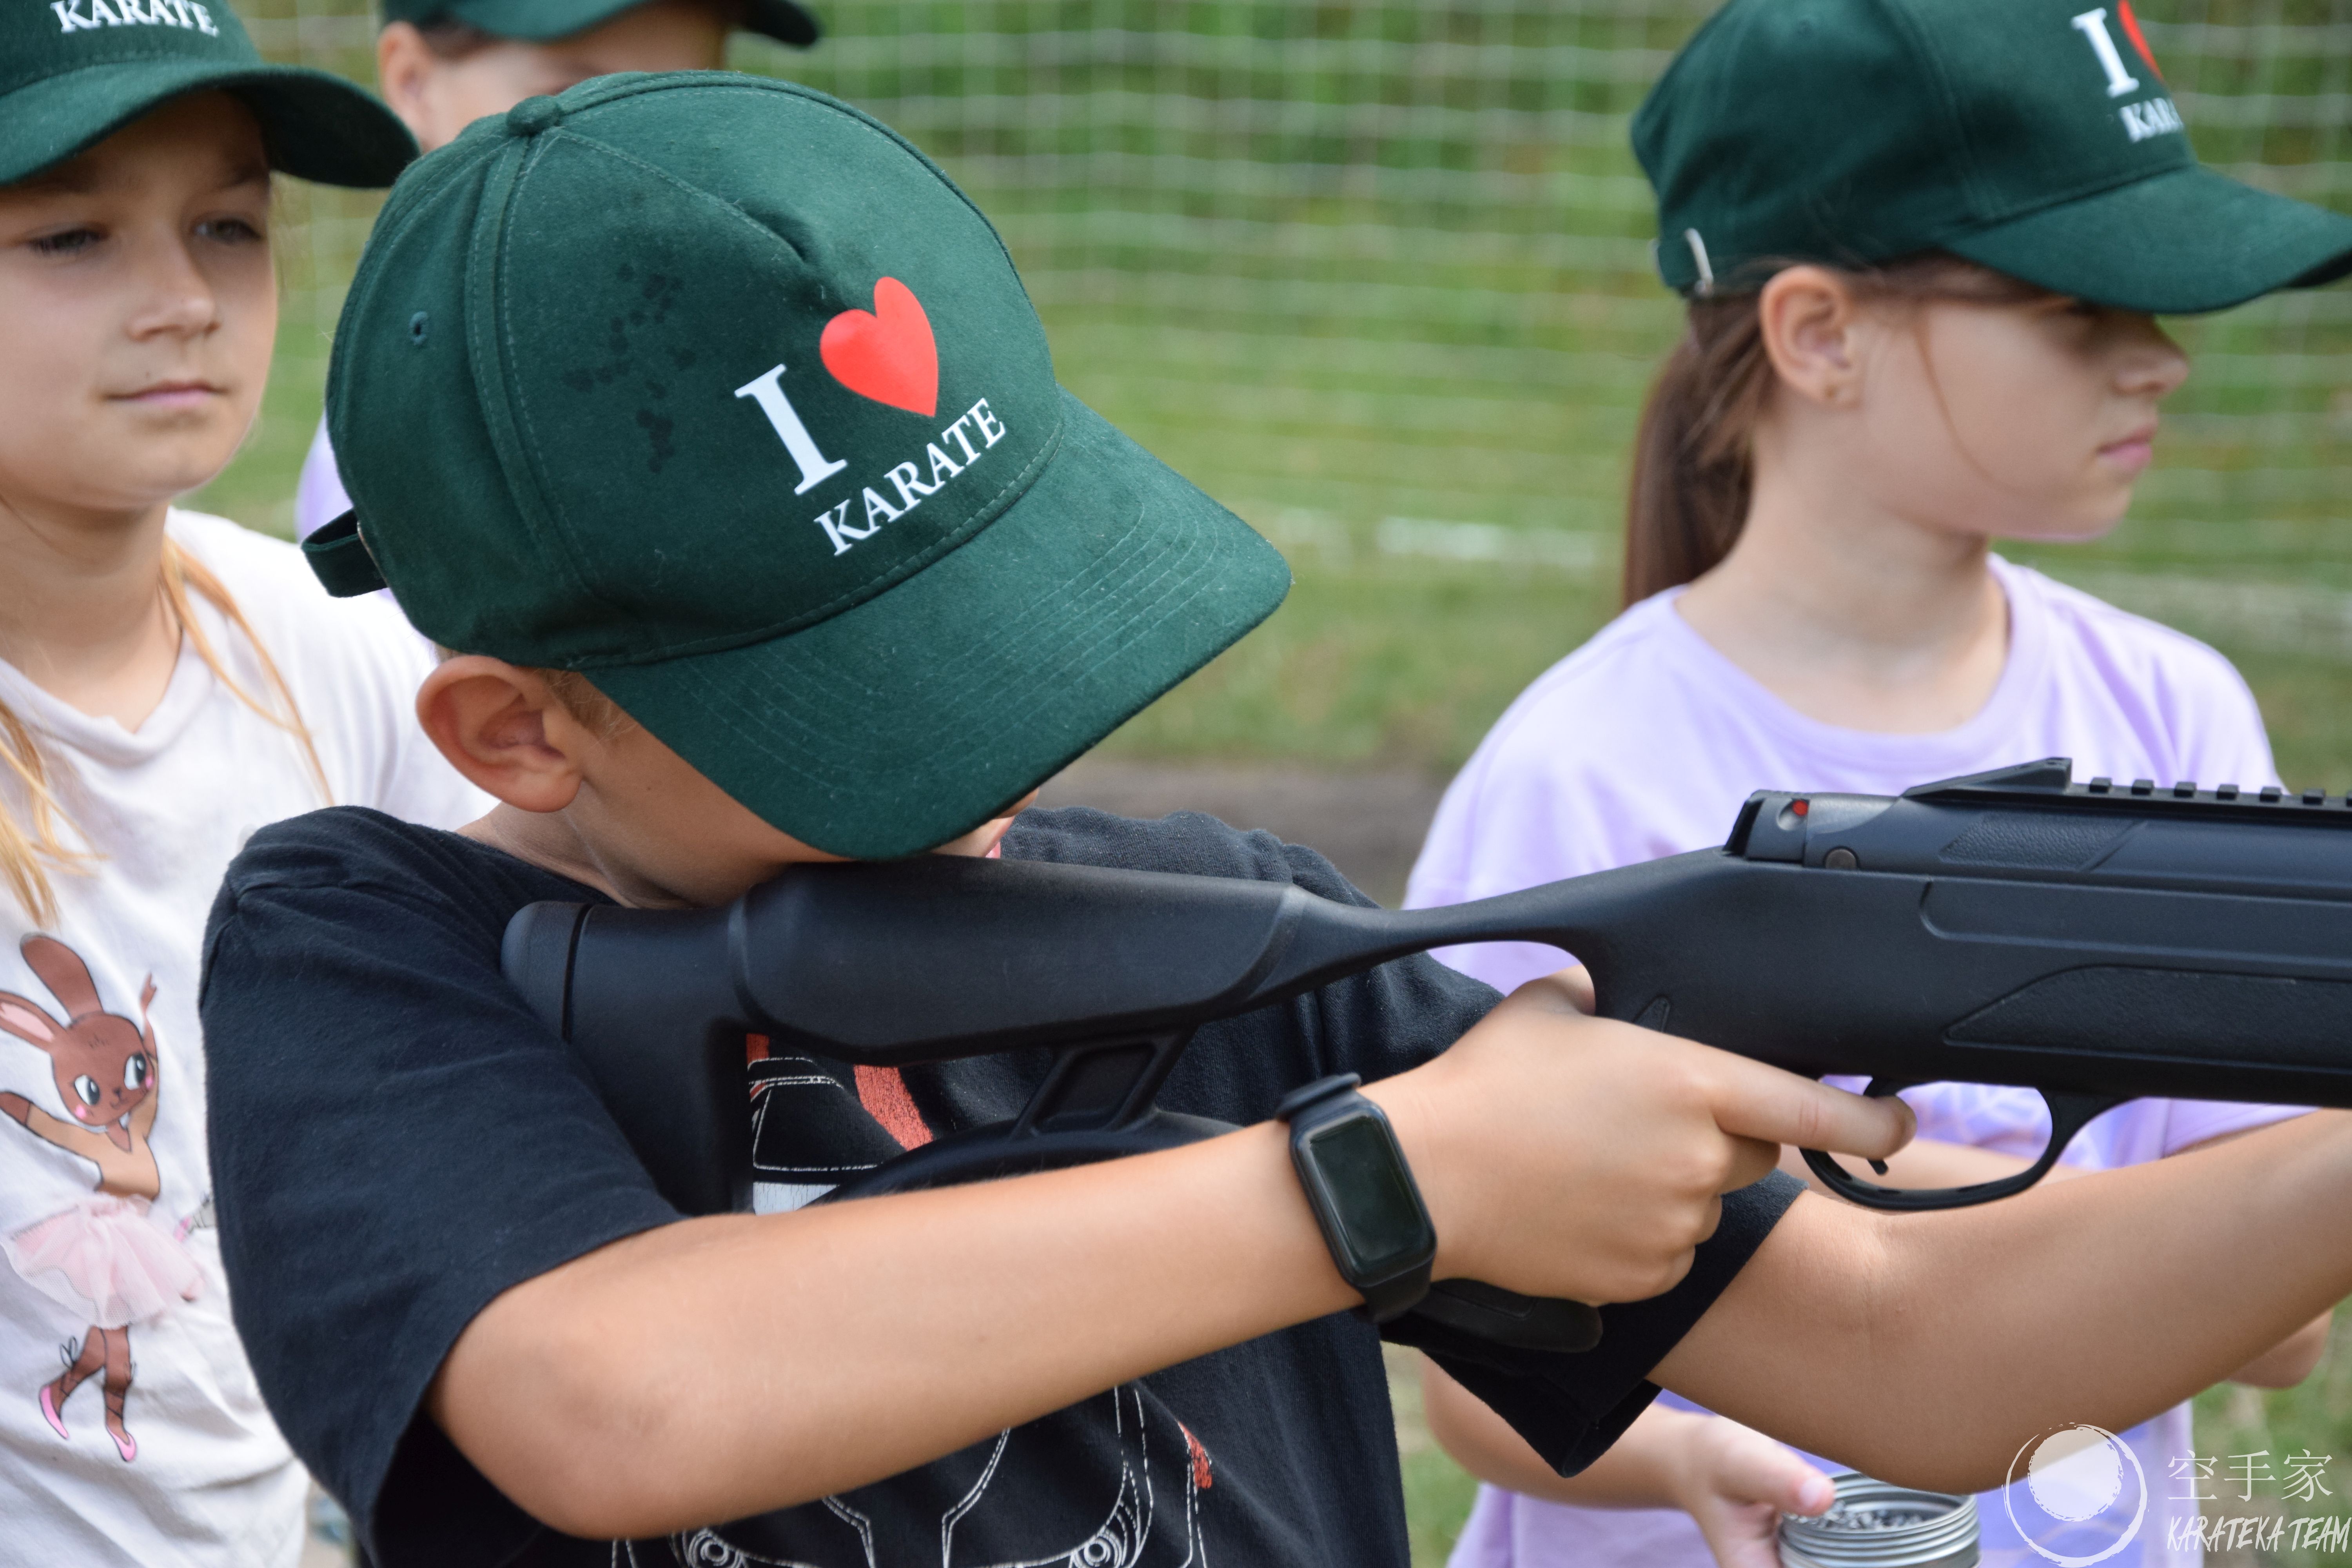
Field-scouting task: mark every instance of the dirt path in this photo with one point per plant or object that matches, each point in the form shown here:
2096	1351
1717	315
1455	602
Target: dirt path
1370	823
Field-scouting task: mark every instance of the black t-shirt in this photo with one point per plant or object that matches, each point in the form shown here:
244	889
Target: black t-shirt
397	1140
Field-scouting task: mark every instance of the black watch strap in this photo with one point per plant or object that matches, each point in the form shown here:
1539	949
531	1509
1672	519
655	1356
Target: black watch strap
1362	1193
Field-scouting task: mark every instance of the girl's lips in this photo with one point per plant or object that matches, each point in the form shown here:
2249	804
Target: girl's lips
2133	453
174	394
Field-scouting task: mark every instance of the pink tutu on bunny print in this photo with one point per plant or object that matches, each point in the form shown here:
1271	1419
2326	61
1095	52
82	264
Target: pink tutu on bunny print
104	1260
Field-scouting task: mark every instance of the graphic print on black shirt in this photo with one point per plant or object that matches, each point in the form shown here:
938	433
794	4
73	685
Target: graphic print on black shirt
397	1139
1046	1493
1040	1490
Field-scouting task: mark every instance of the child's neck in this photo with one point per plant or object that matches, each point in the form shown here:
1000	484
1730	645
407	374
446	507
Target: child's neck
1852	615
82	612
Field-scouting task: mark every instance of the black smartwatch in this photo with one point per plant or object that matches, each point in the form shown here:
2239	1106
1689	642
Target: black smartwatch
1362	1193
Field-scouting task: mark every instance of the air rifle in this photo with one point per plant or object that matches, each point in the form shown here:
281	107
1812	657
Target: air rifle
2097	943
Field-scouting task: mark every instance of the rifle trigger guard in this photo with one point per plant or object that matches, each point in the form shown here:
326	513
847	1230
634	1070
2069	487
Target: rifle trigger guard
2068	1115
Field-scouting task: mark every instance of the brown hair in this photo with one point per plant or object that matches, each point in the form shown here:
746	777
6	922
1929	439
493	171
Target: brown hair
591	708
452	40
30	850
1687	500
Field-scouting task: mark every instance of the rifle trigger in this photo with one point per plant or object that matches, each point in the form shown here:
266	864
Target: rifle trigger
1880	1088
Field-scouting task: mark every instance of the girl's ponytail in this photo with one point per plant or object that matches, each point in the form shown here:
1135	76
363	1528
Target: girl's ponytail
1688	498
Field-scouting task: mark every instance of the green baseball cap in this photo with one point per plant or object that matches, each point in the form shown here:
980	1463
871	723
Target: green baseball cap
73	72
541	21
718	391
2035	137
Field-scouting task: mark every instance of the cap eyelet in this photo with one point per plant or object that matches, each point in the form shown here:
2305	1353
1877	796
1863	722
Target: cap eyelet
420	325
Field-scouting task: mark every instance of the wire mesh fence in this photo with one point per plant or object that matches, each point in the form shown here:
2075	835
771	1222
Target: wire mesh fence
1350	263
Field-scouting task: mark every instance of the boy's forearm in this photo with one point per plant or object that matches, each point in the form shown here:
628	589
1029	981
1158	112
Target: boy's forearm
1927	1348
720	1367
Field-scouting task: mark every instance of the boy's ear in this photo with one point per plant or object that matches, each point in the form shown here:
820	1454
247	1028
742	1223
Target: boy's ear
501	726
1807	316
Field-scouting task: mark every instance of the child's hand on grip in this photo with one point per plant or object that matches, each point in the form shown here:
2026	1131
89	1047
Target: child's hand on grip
1566	1155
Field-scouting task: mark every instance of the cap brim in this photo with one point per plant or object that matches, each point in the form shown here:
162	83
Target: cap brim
316	126
2173	244
896	726
783	21
541	21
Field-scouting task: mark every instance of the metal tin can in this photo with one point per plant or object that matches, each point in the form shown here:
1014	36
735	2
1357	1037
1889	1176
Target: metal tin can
1873	1524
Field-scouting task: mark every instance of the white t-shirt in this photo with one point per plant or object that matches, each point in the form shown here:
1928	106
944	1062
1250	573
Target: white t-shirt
1644	742
128	1284
319	496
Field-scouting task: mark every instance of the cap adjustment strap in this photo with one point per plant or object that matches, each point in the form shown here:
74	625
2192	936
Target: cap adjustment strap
1706	285
340	560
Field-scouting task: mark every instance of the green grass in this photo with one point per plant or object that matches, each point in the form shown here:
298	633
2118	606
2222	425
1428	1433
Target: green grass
1437	1491
1392	663
2308	706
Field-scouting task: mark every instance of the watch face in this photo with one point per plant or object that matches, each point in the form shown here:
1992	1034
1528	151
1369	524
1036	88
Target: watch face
1363	1170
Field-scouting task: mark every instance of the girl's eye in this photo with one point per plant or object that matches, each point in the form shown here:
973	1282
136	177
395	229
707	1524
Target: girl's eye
86	1087
68	242
134	1071
229	231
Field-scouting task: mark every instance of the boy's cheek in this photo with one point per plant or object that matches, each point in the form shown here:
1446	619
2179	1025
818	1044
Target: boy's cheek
986	842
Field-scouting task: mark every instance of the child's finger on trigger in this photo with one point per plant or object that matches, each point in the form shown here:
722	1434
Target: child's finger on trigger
1758	1101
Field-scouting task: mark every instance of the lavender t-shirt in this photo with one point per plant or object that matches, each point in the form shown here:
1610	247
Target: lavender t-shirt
1645	741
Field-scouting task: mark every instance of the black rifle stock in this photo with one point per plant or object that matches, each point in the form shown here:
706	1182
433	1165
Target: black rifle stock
2095	942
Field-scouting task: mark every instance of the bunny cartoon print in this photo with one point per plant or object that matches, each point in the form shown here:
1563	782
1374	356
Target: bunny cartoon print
102	1257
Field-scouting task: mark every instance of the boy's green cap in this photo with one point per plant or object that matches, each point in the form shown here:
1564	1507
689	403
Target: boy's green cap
73	72
541	21
715	389
2035	137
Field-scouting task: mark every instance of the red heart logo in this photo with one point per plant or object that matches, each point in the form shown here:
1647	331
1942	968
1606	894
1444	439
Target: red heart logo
886	354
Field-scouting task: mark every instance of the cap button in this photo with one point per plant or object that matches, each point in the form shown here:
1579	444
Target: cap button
533	115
